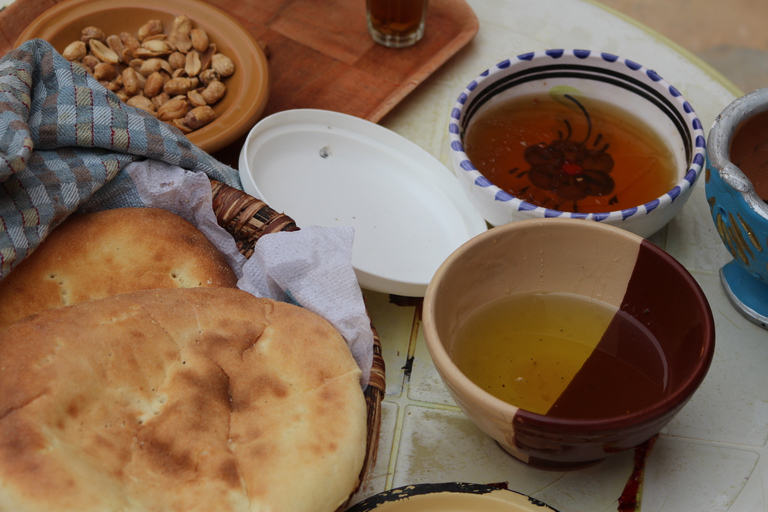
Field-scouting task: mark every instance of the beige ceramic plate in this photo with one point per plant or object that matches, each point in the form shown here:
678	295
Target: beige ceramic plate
247	88
450	497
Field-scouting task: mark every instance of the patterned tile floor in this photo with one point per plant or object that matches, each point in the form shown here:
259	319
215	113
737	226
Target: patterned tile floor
729	36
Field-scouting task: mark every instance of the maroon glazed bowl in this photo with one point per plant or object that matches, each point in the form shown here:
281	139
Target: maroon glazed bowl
560	386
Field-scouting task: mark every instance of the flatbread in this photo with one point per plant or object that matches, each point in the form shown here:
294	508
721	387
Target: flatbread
97	255
181	400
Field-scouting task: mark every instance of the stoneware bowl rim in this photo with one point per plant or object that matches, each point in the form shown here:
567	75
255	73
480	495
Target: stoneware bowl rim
637	418
636	72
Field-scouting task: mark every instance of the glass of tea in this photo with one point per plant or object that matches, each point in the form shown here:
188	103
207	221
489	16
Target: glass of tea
396	23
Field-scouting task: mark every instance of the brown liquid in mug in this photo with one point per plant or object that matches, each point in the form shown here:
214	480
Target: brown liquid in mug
749	152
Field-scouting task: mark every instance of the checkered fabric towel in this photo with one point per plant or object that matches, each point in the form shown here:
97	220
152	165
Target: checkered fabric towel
64	140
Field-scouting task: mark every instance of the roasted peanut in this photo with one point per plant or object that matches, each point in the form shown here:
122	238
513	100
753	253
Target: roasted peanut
154	84
176	77
150	28
222	64
199	39
192	65
89	33
131	83
157	47
104	71
75	51
208	76
181	85
153	65
89	61
102	52
160	99
117	46
175	108
199	117
213	92
130	43
141	102
177	60
179	123
180	33
195	98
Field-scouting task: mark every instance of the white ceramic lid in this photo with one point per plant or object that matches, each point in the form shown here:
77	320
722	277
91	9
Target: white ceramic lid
324	168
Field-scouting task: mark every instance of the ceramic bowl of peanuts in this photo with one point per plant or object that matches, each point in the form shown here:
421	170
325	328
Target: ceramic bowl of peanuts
185	62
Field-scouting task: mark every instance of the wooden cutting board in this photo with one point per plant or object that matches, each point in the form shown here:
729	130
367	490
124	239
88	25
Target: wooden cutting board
320	53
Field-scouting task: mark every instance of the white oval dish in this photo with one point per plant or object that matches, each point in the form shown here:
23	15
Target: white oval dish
330	169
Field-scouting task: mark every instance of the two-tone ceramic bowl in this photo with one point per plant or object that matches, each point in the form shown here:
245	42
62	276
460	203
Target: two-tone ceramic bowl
571	173
567	341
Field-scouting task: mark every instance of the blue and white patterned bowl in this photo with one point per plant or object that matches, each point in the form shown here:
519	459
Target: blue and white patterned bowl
603	76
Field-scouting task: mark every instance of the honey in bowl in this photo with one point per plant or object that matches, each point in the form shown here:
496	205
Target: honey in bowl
561	355
570	153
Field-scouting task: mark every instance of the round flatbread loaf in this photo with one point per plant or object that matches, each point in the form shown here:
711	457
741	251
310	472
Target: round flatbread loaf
107	253
204	399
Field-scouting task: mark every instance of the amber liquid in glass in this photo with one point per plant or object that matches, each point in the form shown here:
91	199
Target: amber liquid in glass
397	20
570	154
749	152
561	355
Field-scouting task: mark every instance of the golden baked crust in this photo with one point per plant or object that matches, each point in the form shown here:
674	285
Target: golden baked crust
108	253
204	399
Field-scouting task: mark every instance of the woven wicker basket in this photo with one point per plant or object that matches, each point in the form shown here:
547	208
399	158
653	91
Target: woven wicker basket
247	219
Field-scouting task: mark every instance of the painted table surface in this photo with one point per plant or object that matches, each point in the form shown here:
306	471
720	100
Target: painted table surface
713	456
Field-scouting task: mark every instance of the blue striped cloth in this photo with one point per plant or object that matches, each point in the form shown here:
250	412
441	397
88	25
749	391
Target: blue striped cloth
64	140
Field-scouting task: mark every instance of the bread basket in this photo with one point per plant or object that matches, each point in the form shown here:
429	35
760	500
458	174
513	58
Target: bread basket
247	219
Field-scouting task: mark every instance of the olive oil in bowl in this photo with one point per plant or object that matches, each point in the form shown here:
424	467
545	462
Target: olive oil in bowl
561	355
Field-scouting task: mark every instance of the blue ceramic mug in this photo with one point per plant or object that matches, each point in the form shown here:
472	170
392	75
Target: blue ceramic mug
736	184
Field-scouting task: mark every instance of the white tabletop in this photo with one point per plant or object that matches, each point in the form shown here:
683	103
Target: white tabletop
712	456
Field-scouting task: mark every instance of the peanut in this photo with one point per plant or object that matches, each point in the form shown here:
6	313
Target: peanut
150	28
213	92
175	77
199	117
175	108
154	84
222	64
75	51
89	33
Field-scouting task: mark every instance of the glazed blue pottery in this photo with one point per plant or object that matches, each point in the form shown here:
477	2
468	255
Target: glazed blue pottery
739	213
